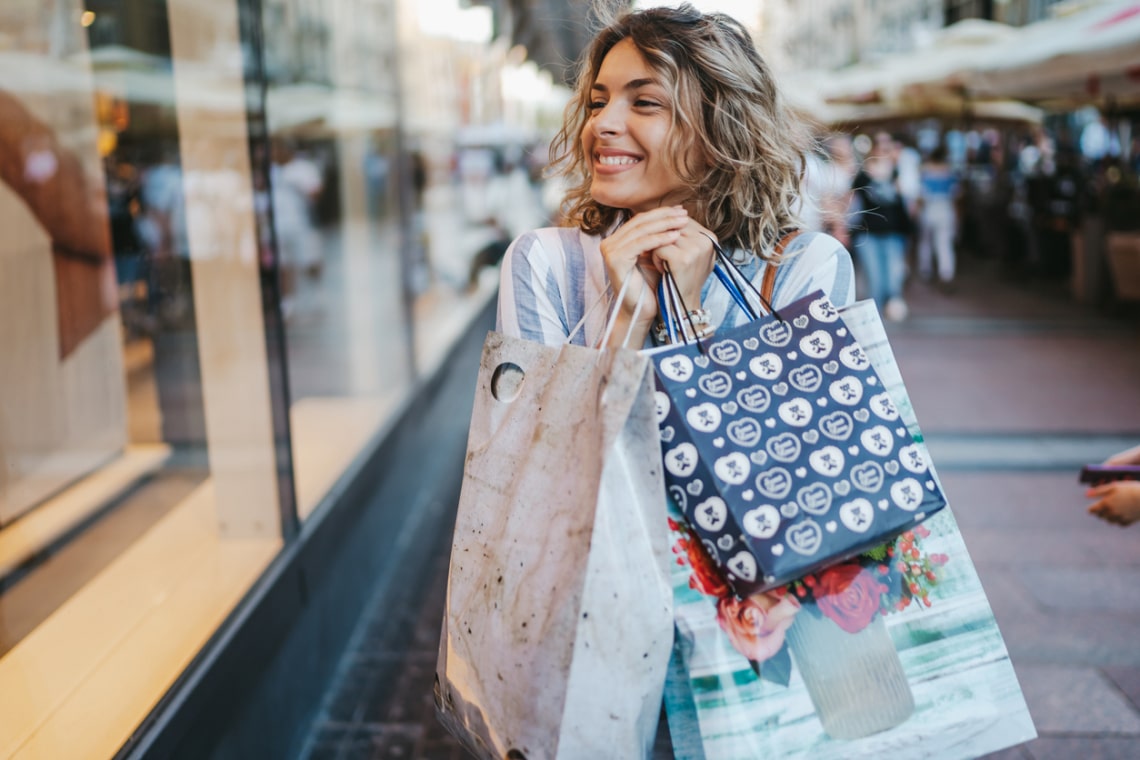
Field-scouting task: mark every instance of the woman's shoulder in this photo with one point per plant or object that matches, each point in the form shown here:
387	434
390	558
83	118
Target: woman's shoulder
558	251
811	246
554	240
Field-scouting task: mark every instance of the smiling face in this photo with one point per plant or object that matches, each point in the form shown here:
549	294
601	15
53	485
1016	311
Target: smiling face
625	140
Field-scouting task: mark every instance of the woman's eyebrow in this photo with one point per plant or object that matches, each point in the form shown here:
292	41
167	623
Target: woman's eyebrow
633	84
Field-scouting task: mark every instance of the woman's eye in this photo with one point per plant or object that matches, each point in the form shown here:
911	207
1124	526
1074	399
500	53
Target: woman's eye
643	103
597	105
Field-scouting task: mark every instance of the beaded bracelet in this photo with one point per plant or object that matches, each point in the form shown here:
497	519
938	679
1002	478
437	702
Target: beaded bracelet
701	322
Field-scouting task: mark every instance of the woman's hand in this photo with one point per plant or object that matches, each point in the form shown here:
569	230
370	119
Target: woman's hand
690	259
1128	456
1117	502
641	250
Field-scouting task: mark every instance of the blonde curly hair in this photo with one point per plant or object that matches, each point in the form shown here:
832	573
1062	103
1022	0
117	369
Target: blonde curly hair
726	104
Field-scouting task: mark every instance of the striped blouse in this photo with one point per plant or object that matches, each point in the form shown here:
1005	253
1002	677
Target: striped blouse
552	278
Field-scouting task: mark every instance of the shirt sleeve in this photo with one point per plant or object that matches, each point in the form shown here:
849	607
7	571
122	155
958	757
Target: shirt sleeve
542	289
815	261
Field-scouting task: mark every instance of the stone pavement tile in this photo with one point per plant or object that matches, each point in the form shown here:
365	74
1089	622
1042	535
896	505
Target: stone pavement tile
1018	500
1127	679
1025	383
1083	748
1098	545
1073	700
1036	635
1067	589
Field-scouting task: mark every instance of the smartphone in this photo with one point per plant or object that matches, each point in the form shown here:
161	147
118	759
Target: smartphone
1102	473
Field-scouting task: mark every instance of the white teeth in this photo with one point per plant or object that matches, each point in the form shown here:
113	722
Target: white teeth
617	160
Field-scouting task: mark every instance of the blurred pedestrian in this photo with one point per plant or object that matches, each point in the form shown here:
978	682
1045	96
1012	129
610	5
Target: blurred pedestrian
827	187
1117	501
880	225
937	218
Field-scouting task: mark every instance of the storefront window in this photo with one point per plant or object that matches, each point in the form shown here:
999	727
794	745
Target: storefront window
237	235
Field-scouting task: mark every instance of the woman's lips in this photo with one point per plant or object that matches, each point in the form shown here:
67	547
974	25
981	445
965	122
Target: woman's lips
613	163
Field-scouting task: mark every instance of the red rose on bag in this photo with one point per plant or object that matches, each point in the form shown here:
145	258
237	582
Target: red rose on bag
849	595
756	626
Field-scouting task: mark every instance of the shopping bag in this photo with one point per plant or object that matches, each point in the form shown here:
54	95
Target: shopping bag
558	622
894	652
783	449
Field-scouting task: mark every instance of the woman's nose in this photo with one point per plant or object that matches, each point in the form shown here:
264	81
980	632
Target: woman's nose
608	121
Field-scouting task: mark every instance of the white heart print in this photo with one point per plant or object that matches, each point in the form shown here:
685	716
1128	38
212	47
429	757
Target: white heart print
682	460
679	497
716	384
806	378
662	404
857	515
677	368
784	447
817	344
827	461
762	522
704	418
767	366
814	499
804	537
775	483
725	352
776	334
847	391
797	412
912	459
823	310
711	514
907	494
745	432
883	407
733	468
754	398
743	566
877	440
853	357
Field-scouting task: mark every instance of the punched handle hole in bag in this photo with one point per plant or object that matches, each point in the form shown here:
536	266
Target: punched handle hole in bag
506	382
515	754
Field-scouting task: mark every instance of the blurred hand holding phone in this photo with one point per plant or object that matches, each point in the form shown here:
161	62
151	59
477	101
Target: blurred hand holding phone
1105	473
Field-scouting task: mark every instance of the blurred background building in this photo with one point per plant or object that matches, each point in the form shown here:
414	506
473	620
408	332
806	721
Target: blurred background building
249	255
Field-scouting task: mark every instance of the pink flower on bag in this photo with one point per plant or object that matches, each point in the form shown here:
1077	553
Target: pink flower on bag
848	594
756	626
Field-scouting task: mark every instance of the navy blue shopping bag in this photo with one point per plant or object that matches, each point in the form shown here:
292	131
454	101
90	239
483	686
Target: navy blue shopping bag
783	449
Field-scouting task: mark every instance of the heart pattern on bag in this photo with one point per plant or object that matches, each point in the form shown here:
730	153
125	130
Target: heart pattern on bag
800	444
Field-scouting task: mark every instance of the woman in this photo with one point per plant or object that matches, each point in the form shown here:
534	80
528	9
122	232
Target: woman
676	135
880	227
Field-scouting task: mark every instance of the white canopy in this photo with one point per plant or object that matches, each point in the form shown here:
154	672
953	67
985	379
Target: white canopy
1085	57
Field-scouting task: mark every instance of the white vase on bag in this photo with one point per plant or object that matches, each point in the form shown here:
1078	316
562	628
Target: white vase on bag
856	680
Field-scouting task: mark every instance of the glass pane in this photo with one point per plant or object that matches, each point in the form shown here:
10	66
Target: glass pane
138	482
332	169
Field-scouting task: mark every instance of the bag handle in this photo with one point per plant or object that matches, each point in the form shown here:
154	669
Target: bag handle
671	304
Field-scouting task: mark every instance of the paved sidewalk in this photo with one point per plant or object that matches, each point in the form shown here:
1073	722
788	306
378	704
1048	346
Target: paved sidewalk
1015	387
